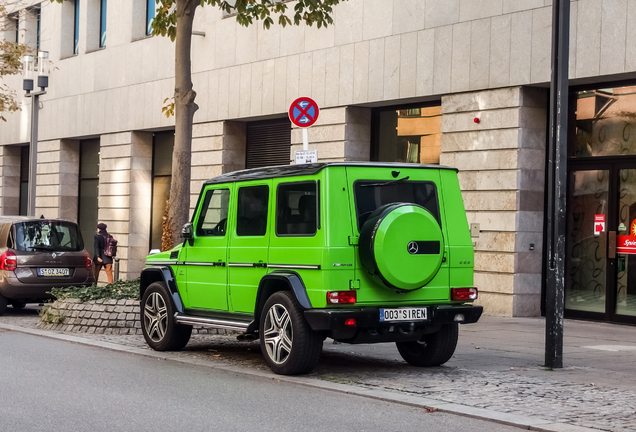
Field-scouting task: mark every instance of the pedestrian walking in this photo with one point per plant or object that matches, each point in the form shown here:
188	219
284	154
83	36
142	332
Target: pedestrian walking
105	247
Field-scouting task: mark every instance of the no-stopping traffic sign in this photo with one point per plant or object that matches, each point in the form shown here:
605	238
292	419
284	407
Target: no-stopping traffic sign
303	112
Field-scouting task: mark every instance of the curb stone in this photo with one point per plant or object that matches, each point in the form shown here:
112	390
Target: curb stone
524	422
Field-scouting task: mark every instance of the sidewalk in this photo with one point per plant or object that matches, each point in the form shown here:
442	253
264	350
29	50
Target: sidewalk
497	372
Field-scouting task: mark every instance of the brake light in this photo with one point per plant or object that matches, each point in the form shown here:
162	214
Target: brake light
463	293
341	297
8	261
88	263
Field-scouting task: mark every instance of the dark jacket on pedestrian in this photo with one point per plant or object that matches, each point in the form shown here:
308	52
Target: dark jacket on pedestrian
98	245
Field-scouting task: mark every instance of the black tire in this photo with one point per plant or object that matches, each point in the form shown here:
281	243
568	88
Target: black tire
157	320
3	304
433	350
288	343
18	304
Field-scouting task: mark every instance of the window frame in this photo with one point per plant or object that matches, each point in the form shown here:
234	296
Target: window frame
204	209
238	203
316	184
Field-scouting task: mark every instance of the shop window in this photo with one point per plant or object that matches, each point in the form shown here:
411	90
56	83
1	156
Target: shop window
88	190
24	180
162	148
407	135
605	122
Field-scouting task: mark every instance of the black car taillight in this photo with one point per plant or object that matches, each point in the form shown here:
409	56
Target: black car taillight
88	263
8	261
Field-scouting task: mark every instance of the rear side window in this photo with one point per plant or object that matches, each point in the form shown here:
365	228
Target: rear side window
296	209
252	211
370	195
47	235
213	218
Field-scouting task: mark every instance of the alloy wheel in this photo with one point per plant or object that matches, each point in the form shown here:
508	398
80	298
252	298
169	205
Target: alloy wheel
155	317
278	333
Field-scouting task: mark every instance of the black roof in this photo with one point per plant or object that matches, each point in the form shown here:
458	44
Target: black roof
310	169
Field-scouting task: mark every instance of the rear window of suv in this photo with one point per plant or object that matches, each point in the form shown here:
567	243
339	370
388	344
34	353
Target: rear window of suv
373	194
46	235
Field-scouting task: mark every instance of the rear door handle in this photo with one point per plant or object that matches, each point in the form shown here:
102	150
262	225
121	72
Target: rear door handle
611	243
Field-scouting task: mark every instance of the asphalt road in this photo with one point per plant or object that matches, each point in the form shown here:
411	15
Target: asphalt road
48	385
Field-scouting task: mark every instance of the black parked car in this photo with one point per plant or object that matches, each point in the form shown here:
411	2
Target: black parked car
37	255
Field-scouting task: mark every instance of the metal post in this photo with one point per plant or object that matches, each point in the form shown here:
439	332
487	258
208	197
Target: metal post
556	185
33	152
116	271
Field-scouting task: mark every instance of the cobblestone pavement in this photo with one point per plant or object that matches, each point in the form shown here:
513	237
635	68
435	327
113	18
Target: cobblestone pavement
544	396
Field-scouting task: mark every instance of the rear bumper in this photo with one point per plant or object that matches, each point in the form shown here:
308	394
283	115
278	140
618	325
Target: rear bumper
12	288
368	327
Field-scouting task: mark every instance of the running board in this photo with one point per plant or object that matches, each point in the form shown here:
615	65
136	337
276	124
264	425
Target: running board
210	322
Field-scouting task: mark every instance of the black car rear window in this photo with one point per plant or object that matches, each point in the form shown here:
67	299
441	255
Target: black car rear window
46	235
372	194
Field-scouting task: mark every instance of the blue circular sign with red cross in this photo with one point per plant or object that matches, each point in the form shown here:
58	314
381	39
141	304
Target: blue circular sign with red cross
303	112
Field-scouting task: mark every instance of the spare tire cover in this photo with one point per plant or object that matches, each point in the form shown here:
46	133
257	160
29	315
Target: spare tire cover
402	244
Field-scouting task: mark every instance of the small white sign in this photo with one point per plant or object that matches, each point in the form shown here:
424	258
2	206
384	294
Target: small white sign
306	157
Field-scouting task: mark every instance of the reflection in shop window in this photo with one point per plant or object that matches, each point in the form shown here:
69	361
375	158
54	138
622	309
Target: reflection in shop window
605	122
407	135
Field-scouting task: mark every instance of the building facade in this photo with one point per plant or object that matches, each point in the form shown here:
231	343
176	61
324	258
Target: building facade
463	83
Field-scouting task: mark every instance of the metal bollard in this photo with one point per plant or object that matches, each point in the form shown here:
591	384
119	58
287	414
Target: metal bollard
116	277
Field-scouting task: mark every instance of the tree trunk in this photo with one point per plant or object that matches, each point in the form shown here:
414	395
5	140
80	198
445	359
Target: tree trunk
185	108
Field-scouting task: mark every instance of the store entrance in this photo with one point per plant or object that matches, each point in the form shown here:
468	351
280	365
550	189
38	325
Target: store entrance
600	276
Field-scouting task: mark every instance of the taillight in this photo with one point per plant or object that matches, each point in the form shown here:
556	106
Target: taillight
88	262
341	297
463	293
8	261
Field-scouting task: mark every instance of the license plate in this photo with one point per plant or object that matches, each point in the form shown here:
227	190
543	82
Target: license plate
53	272
404	314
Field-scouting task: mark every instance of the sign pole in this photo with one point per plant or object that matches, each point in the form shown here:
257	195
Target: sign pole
305	139
556	185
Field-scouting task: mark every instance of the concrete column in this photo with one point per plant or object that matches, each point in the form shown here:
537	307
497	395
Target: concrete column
217	148
57	179
9	180
340	134
501	161
125	188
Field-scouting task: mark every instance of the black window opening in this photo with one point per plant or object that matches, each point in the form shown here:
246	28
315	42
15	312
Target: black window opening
410	134
24	181
87	214
162	149
213	218
297	210
371	195
268	143
252	211
14	24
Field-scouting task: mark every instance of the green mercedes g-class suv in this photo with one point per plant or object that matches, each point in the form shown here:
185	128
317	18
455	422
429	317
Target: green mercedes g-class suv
358	252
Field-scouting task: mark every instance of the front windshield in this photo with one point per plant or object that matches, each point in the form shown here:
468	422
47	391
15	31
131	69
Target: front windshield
47	235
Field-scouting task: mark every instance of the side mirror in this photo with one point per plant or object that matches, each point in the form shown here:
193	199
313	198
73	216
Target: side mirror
187	233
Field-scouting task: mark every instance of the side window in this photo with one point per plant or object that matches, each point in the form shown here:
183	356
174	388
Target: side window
213	218
296	209
252	211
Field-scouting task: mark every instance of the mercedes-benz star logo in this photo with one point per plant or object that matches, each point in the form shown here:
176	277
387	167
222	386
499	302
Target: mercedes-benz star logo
412	247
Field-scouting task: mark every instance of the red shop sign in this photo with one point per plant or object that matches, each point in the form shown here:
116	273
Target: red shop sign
626	244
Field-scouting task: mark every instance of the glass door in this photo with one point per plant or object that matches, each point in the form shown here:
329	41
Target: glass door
600	266
624	301
586	265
